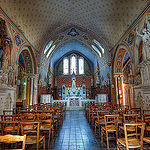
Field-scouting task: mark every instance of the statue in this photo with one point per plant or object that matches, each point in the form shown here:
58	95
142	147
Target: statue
10	75
5	62
146	40
144	74
3	77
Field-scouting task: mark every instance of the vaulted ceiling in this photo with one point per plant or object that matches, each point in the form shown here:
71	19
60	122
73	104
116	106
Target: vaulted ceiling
106	18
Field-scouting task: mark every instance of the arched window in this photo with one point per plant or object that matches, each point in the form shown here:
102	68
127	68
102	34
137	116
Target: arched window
73	64
97	50
48	46
81	65
66	66
99	45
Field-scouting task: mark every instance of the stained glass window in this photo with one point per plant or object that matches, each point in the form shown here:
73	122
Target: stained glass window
73	64
81	65
66	66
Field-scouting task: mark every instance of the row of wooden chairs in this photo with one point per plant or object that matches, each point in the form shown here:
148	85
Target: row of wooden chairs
32	130
37	123
13	139
112	119
29	125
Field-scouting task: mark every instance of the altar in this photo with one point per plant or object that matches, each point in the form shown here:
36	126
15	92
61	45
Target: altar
73	97
74	93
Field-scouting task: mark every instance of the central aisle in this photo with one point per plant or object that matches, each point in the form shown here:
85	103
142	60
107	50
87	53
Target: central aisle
75	134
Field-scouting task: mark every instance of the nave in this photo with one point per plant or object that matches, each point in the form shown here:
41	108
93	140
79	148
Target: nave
75	133
47	126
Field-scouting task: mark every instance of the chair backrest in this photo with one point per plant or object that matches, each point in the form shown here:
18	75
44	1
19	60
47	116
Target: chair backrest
137	110
14	139
111	122
9	112
44	116
48	111
8	117
146	111
146	118
30	128
27	117
9	127
130	118
101	114
134	139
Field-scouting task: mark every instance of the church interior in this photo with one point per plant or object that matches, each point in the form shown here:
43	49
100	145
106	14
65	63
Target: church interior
75	71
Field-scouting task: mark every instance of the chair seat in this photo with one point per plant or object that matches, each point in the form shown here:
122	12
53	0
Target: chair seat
11	128
120	121
109	129
33	139
29	127
101	122
146	139
129	128
133	143
46	127
148	128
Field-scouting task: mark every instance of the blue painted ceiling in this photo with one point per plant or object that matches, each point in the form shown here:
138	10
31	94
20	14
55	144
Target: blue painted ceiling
73	46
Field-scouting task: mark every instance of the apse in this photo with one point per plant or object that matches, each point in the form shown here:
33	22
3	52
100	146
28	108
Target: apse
73	46
70	81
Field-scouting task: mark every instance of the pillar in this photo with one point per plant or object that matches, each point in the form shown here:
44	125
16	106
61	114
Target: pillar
31	92
116	85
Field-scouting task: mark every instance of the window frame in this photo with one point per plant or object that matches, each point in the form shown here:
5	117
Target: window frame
81	58
71	70
66	58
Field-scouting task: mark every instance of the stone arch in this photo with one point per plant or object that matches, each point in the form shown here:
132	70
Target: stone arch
27	75
30	53
118	58
122	67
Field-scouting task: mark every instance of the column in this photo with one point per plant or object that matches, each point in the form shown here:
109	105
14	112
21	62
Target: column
122	89
25	87
116	85
31	92
28	90
35	89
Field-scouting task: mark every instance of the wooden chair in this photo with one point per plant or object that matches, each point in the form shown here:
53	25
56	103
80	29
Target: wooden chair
120	113
111	126
132	139
55	115
94	116
46	125
9	127
9	124
100	120
33	134
128	118
146	120
13	139
137	111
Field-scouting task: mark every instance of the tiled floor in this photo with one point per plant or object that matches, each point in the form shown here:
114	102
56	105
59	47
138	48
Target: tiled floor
75	134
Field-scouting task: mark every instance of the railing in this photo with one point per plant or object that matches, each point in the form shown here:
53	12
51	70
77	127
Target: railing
74	102
69	103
